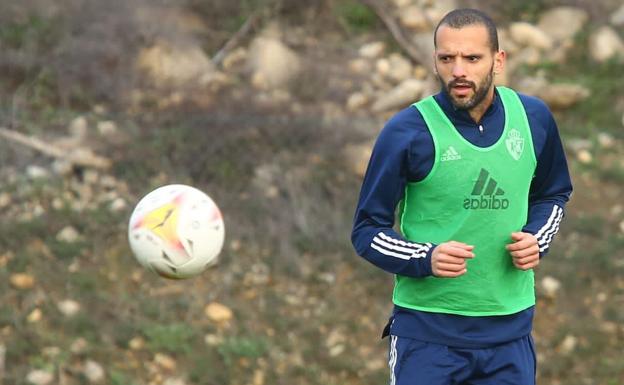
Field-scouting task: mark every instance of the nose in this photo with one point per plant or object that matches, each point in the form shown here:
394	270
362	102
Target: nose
458	70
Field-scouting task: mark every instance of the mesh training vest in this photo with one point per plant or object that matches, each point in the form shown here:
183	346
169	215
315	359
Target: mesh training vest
478	196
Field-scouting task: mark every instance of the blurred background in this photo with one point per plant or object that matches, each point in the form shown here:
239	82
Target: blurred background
271	107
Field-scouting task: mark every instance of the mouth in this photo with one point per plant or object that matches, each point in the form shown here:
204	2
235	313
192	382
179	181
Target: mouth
461	89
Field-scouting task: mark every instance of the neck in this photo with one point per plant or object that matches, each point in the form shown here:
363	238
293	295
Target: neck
477	112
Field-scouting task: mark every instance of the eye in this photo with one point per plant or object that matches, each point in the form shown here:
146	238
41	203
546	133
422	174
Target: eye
444	59
473	58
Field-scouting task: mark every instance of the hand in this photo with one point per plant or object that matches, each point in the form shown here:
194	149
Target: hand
449	259
524	250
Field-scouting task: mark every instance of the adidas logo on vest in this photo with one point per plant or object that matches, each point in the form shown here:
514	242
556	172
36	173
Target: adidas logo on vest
486	195
450	154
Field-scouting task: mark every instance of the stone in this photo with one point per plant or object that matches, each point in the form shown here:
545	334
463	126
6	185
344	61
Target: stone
94	372
617	17
356	101
166	362
218	312
568	344
401	96
357	157
68	307
167	63
584	156
22	281
414	18
68	234
529	35
78	127
39	377
372	50
550	286
107	127
605	43
271	63
37	172
563	95
562	23
35	315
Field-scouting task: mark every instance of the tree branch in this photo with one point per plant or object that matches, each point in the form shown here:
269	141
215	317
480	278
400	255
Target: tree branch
396	31
79	157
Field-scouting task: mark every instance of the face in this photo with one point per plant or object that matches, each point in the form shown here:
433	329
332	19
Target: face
465	65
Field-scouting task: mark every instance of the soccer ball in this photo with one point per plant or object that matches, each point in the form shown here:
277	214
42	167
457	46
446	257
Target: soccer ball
176	231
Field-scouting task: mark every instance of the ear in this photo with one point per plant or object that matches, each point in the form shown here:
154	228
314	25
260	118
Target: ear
499	61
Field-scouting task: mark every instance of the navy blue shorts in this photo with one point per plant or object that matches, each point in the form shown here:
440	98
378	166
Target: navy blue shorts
414	362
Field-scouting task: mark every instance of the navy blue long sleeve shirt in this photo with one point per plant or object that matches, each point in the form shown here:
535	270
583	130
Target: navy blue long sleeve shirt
404	153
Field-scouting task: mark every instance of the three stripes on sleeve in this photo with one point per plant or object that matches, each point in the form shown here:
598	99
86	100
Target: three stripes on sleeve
398	248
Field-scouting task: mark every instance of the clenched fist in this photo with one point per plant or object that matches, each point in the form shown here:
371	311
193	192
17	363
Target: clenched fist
449	259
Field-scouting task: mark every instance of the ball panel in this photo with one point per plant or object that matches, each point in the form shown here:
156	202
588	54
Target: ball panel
177	231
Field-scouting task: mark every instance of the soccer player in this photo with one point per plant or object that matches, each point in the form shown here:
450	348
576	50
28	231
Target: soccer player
478	178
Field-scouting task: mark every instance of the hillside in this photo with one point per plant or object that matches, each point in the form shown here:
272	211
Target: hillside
272	108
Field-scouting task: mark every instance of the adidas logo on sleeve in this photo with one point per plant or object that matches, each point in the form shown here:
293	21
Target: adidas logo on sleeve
486	195
450	154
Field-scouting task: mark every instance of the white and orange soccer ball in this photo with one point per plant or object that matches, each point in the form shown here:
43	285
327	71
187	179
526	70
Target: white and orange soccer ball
176	231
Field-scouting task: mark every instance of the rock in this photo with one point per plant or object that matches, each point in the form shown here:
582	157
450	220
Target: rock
562	23
529	35
136	343
174	381
622	227
39	377
561	95
213	340
400	68
235	59
93	371
401	3
37	172
107	127
174	64
617	17
78	127
568	344
356	101
218	313
357	157
605	140
372	50
166	362
68	234
271	63
550	286
439	9
118	205
604	44
360	66
5	199
401	96
414	18
584	156
22	281
79	346
68	307
35	315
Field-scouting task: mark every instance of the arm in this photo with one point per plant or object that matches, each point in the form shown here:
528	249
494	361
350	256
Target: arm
549	192
550	189
373	236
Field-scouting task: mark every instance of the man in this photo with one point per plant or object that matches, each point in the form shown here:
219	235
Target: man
480	180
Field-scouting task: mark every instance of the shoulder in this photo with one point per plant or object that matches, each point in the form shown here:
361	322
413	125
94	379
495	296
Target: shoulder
404	127
537	110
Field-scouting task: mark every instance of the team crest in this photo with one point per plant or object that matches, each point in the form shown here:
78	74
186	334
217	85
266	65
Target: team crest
515	143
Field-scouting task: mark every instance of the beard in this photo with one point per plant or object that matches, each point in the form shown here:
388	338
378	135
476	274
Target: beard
480	91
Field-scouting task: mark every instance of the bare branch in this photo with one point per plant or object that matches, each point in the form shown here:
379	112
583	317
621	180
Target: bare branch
236	38
396	31
79	157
